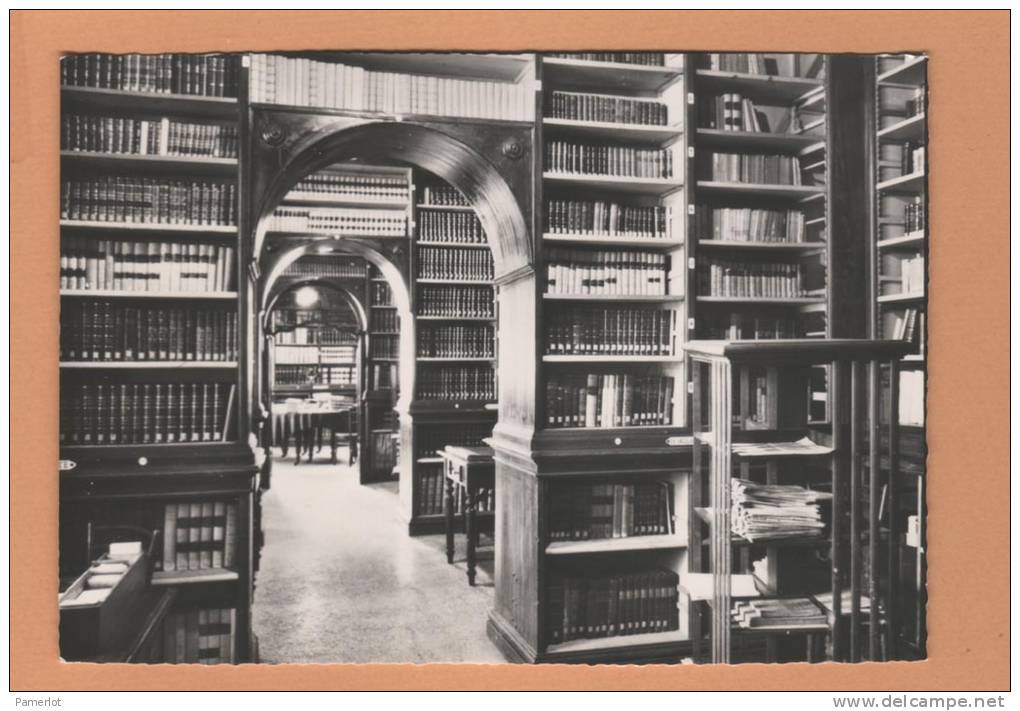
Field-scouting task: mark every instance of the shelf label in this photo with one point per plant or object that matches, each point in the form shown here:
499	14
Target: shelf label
690	263
690	151
676	441
67	465
690	324
690	388
690	98
690	209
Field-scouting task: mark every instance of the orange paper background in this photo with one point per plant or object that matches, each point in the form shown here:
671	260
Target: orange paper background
969	317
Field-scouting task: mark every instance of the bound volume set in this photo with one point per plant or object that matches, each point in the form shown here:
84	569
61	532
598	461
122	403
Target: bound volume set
456	342
606	109
722	277
92	330
733	112
344	221
609	400
88	264
161	137
650	59
454	264
199	535
598	511
307	82
745	224
149	200
335	267
616	273
457	383
641	602
620	161
738	327
602	331
144	413
456	302
204	636
193	74
610	219
444	195
445	226
430	495
361	187
754	168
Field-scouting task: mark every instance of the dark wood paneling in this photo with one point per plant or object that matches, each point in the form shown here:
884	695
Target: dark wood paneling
849	96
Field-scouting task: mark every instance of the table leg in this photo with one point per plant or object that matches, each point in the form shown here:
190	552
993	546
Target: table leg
448	518
469	530
332	446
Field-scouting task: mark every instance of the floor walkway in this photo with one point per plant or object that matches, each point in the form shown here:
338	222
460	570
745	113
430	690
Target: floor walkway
341	581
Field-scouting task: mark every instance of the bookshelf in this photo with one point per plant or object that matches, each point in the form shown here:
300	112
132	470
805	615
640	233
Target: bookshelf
455	359
899	252
151	323
382	388
757	589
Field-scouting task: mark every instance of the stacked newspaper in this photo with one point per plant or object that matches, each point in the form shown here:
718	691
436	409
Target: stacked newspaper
766	512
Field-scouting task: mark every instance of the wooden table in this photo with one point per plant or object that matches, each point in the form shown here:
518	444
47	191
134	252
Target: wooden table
306	422
473	472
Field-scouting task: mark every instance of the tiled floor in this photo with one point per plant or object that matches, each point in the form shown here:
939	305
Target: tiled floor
341	581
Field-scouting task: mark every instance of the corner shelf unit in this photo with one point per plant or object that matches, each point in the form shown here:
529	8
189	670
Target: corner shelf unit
899	274
751	432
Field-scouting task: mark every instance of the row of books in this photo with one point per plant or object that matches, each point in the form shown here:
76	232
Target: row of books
779	613
454	263
594	606
306	82
746	224
738	327
598	511
914	215
606	109
911	276
160	137
723	277
912	397
302	355
774	512
430	494
753	168
192	74
735	112
149	200
465	382
915	105
618	272
608	219
741	62
456	342
199	535
431	438
361	186
912	158
93	330
608	400
346	221
314	374
87	264
335	267
649	59
385	321
204	636
302	336
381	294
442	194
456	301
444	226
611	331
907	325
384	346
144	413
621	161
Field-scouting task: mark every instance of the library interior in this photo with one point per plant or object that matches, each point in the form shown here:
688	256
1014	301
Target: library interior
586	357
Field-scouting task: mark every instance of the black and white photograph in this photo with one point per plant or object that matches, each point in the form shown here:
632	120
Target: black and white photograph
589	357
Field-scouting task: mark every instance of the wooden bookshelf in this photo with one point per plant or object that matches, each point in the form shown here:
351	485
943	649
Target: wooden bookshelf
640	186
609	131
115	484
761	87
581	74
